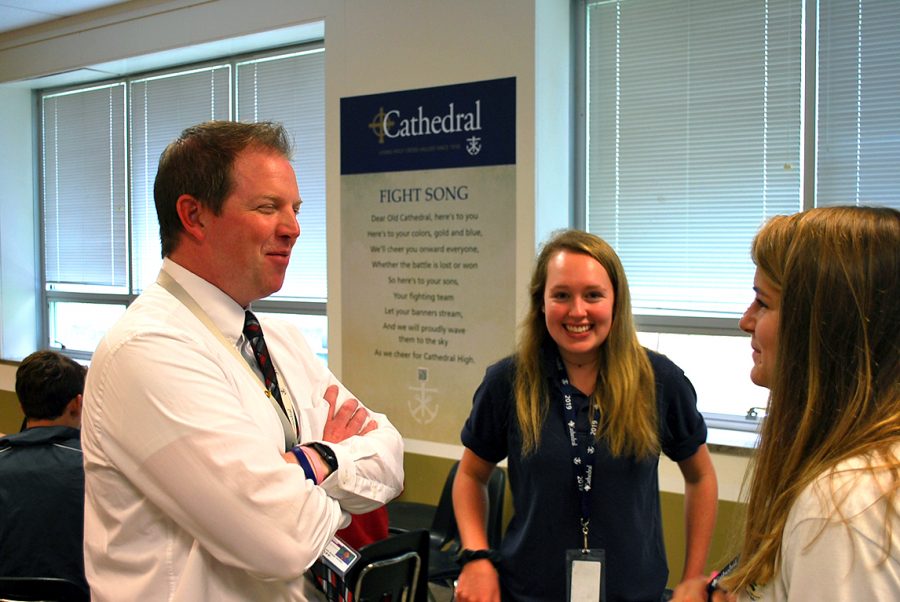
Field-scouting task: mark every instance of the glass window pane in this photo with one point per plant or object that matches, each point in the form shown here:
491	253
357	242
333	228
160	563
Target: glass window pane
80	326
693	141
717	366
314	329
858	121
86	172
84	187
161	107
290	89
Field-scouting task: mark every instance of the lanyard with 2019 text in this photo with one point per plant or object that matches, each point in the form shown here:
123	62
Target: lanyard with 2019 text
582	455
585	575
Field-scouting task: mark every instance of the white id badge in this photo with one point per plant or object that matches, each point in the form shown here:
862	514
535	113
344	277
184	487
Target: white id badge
339	556
585	575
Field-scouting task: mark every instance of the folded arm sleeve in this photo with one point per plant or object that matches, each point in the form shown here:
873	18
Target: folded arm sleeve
370	466
169	417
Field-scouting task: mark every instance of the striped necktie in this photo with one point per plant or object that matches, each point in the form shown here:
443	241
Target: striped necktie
253	332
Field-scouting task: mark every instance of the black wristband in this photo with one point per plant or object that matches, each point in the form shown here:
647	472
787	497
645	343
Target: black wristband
326	453
465	556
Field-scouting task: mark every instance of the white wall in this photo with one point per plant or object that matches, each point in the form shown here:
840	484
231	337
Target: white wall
18	268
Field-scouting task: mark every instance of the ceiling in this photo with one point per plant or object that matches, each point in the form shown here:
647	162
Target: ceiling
15	14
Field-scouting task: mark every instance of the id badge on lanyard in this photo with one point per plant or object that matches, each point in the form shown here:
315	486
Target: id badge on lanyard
585	566
585	570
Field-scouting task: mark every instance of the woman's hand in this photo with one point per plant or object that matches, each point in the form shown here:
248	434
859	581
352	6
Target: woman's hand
694	590
478	582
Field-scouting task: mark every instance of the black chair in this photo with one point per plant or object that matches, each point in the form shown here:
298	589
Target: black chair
391	569
441	524
49	589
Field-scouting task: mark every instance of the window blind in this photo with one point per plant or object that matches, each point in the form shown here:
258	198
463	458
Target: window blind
693	140
84	188
161	107
291	89
858	151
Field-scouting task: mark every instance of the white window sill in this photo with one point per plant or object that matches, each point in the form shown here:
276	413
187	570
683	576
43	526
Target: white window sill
730	441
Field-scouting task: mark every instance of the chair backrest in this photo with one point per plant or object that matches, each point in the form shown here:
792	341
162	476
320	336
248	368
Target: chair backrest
50	589
395	548
443	527
389	569
393	579
496	493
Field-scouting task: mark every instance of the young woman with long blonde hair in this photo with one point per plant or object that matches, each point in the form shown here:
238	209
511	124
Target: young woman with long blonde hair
823	513
581	412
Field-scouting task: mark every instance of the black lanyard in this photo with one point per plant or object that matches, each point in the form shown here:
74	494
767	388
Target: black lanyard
582	454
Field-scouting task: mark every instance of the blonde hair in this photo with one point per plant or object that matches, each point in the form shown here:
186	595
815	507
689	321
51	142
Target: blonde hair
624	399
836	392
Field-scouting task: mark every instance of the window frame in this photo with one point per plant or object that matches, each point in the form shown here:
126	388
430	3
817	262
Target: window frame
47	294
815	62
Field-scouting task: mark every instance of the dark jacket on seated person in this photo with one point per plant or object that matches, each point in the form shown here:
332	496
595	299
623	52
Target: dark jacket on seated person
42	497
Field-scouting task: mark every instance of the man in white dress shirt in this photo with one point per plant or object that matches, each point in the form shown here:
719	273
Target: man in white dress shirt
199	486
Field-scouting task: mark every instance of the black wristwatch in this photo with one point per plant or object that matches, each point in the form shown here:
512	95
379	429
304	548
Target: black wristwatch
326	453
465	556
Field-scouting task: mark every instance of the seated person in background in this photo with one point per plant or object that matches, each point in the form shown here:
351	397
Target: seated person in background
823	514
41	474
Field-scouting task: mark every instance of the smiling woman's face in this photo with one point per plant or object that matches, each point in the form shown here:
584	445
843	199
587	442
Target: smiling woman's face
578	305
761	321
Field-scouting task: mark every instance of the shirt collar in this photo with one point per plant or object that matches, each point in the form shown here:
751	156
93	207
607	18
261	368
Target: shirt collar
40	435
224	312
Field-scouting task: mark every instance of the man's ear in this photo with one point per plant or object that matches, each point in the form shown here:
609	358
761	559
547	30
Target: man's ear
71	415
73	408
192	214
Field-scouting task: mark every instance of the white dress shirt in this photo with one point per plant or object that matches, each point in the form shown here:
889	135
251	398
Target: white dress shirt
188	497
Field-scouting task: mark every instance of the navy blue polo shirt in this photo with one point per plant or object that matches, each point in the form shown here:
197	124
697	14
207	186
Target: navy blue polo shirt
625	513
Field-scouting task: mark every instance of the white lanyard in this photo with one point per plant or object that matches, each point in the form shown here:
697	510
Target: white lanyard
289	420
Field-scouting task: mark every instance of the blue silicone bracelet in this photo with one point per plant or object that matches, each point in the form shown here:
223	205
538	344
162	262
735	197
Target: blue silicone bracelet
303	461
